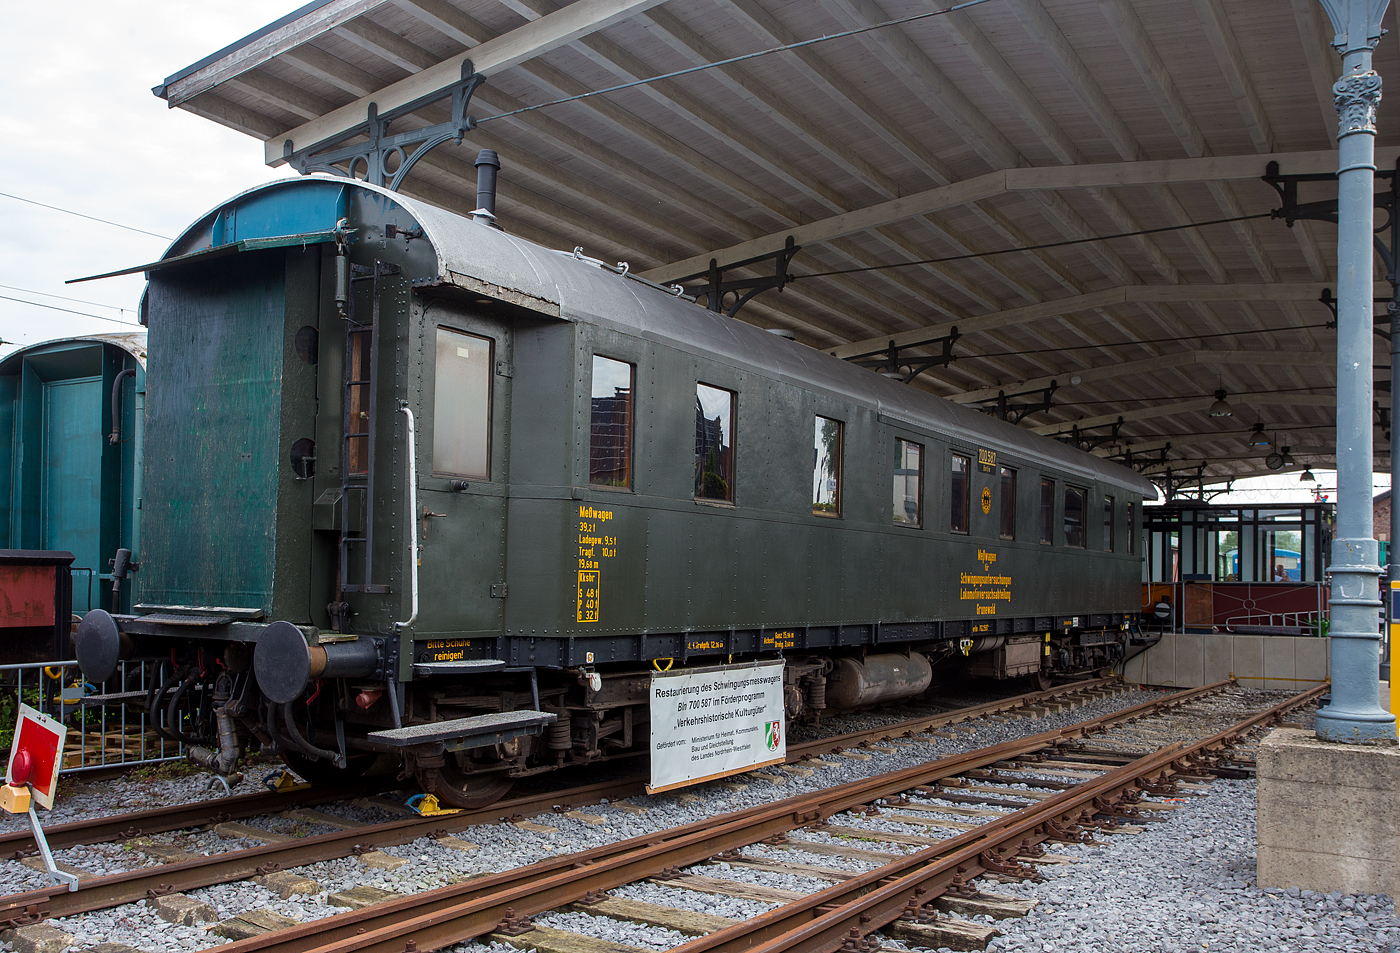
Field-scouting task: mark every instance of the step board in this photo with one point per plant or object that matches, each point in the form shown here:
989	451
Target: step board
493	728
467	667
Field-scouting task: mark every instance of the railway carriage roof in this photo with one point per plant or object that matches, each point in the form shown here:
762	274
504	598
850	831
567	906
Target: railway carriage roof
471	255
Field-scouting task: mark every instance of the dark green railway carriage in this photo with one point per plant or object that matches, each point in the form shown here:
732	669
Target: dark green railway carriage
456	495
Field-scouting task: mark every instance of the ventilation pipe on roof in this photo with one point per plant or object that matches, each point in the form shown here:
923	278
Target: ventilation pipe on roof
487	165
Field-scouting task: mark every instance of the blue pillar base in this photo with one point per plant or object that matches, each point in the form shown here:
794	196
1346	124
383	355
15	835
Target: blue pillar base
1356	727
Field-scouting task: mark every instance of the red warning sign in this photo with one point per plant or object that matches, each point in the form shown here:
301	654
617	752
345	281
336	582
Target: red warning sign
40	738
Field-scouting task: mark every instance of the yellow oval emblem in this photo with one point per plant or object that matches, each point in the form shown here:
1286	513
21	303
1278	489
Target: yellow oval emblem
986	499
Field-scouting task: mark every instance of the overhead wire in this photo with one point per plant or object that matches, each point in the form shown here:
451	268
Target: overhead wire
743	57
54	307
91	218
1173	340
1022	248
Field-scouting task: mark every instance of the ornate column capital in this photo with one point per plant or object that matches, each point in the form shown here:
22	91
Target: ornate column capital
1356	97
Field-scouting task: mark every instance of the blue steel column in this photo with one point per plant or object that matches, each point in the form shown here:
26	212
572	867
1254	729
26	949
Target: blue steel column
1355	715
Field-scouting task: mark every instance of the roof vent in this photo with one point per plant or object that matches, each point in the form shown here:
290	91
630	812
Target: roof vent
487	164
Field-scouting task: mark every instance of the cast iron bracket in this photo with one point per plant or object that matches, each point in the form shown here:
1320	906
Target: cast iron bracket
717	287
1015	413
1326	211
369	160
890	363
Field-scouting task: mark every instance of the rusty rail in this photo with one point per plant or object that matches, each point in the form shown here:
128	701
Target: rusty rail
440	918
825	921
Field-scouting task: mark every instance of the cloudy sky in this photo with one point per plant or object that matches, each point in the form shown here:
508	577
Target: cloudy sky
83	132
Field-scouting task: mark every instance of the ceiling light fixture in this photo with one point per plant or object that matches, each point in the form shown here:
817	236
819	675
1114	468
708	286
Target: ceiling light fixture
1307	476
1287	457
1257	437
1220	408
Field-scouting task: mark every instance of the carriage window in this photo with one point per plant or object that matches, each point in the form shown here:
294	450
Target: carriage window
1108	523
1074	517
826	467
1008	503
958	487
1047	511
610	426
714	443
1132	531
462	405
908	483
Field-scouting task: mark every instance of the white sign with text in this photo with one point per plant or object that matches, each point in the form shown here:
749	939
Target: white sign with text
713	722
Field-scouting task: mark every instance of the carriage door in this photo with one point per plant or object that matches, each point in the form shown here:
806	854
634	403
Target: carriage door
462	498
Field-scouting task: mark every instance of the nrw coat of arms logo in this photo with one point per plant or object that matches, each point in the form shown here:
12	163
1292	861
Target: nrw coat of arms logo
773	734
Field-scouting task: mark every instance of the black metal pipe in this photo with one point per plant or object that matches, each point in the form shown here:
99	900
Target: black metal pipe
115	437
301	743
487	164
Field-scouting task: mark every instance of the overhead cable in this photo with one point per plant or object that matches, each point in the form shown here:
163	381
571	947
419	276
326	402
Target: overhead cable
91	218
1008	251
739	59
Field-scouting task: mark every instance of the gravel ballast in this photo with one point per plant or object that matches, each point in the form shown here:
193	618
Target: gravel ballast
1182	884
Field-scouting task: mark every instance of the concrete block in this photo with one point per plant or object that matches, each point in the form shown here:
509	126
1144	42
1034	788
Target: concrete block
1249	660
1279	668
1311	658
1190	660
37	863
37	938
357	898
455	843
112	948
382	861
1160	661
1217	658
1328	817
252	923
286	884
178	908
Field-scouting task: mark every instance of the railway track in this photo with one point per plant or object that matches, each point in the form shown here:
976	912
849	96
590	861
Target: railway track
900	892
240	807
182	872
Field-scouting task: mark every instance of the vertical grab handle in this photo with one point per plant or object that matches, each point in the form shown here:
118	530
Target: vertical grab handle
412	519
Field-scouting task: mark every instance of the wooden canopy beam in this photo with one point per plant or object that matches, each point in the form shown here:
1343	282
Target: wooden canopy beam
1004	181
550	32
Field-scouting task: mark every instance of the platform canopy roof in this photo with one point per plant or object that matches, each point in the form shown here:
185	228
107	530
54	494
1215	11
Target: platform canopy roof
976	137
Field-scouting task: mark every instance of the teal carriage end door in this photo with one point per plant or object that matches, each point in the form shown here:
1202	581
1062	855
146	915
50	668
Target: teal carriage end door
71	492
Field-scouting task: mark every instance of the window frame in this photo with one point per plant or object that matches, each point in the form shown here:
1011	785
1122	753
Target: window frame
1002	472
491	343
733	439
953	501
1083	513
1110	523
918	522
835	512
1047	513
631	465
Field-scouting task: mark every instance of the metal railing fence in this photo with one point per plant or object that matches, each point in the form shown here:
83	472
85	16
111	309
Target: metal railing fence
103	730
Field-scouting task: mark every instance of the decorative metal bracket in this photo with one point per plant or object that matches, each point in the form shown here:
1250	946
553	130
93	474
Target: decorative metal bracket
370	160
1078	439
1015	413
716	287
891	362
1326	211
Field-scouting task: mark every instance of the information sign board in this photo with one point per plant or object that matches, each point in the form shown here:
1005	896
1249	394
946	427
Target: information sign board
42	737
716	721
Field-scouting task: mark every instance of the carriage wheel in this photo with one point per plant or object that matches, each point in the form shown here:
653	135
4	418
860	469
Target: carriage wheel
457	788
